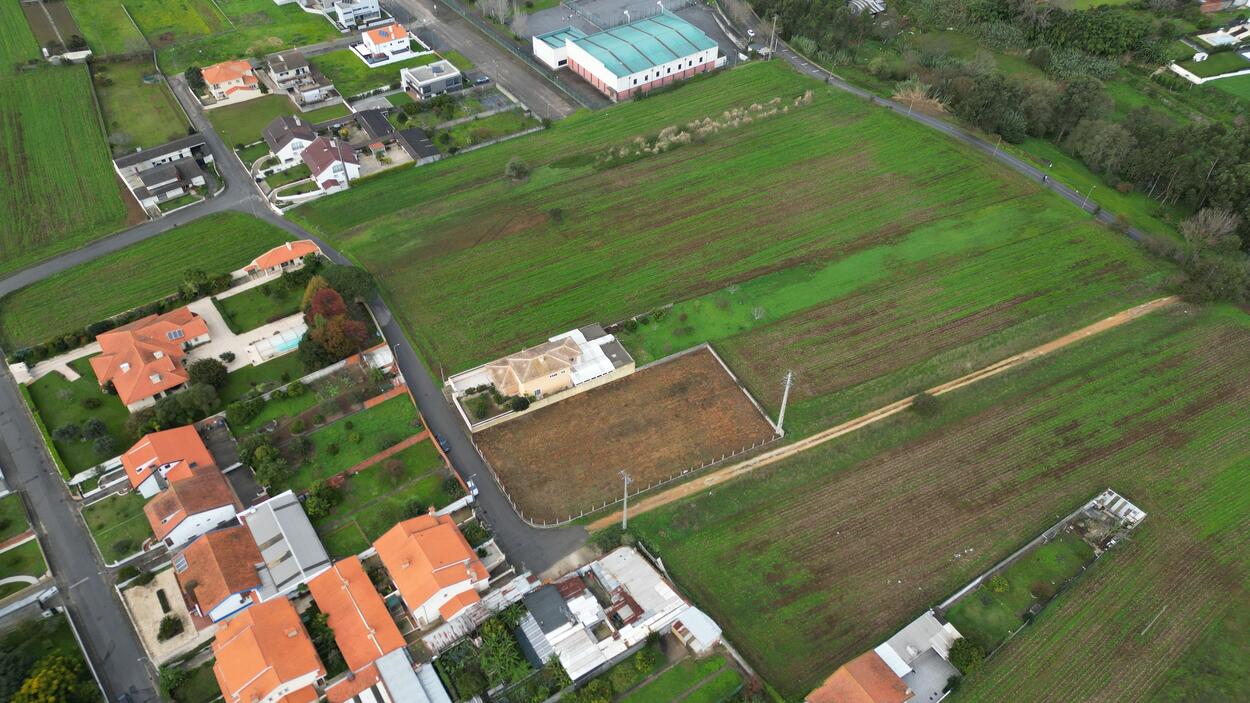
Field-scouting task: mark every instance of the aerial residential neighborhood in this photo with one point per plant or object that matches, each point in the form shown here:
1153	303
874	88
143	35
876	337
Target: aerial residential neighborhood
622	351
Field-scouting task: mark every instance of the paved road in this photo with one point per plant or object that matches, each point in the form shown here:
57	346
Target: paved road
506	69
87	589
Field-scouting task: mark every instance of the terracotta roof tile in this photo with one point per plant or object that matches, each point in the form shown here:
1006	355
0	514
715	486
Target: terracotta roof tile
227	71
144	357
180	446
205	490
261	649
362	626
345	689
324	152
864	679
425	554
389	33
219	564
284	253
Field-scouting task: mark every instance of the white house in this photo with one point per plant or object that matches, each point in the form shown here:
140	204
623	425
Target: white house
332	163
437	573
165	457
356	13
632	58
190	508
287	136
384	45
425	82
230	79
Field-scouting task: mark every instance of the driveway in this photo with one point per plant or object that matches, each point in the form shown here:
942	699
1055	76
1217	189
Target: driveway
222	340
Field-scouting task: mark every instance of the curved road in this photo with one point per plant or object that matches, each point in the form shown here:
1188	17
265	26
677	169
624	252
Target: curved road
86	586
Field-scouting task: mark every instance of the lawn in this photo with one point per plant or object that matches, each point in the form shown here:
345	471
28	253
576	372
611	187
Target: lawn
118	525
291	175
137	114
60	402
260	305
485	129
789	558
345	541
200	687
138	274
374	500
242	123
203	32
267	376
12	517
23	560
179	202
352	77
1239	86
918	255
17	44
59	156
989	618
678	681
457	59
107	29
1217	64
355	438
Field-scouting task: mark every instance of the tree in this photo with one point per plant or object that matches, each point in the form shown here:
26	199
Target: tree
266	461
924	404
315	284
172	678
500	657
1103	145
325	304
355	284
1081	99
321	499
517	169
208	371
15	664
67	432
195	80
55	679
1211	228
104	446
195	283
340	336
966	655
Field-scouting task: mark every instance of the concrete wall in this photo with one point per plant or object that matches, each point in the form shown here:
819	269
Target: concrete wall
595	382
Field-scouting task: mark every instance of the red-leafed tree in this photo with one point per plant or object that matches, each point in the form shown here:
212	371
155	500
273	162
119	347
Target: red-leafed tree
326	304
341	336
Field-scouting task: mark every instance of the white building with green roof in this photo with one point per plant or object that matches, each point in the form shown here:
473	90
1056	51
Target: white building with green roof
631	58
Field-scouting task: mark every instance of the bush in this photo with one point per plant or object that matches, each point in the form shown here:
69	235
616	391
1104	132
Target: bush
226	357
646	660
414	508
354	437
349	425
171	626
125	546
94	428
924	404
452	487
321	499
519	403
104	446
621	677
318	419
67	433
91	402
144	578
332	449
298	425
966	655
475	533
126	573
172	679
242	412
997	584
517	169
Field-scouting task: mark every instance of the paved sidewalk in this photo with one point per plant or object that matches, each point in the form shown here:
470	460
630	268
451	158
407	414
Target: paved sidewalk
57	364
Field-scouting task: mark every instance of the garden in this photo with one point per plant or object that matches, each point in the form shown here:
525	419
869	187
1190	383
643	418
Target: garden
492	657
139	110
12	517
352	77
1216	64
261	305
86	424
23	560
346	442
41	659
477	131
242	123
118	525
1008	600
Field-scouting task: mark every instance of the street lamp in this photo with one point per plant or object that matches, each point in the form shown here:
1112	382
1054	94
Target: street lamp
625	512
1086	200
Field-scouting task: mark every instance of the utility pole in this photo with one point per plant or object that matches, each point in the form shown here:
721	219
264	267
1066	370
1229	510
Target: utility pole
785	396
1086	200
772	50
625	512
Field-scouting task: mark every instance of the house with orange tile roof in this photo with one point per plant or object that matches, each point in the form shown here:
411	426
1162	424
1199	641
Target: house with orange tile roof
219	573
385	44
864	679
913	665
143	361
165	457
191	507
230	79
363	627
283	258
266	656
437	573
391	679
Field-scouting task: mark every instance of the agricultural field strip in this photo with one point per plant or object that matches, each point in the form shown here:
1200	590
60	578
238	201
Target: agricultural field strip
1129	412
772	456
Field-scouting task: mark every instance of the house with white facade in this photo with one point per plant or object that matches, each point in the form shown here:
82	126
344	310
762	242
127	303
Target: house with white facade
287	136
632	58
437	573
425	82
162	458
387	44
266	656
332	163
192	507
231	79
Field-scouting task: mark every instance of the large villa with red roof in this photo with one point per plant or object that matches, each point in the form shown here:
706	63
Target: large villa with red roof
160	458
265	656
436	571
282	258
143	360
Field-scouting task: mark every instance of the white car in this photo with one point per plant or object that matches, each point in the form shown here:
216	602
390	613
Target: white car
751	33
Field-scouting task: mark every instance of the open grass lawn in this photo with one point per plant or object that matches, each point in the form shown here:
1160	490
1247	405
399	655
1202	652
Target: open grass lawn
23	560
374	500
138	274
260	305
1217	64
790	559
678	681
291	175
60	402
329	112
895	256
242	123
1239	86
345	541
351	76
477	131
204	32
989	618
12	517
106	28
137	114
200	687
457	59
58	189
118	525
666	419
371	431
267	376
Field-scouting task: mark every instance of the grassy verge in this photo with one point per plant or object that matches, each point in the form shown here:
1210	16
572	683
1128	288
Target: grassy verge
118	525
138	274
60	402
12	517
675	682
43	432
200	687
23	560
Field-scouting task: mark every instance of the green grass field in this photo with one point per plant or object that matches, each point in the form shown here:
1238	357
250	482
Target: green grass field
1239	86
137	115
242	123
58	189
17	44
846	243
352	77
203	32
131	277
23	560
107	29
789	559
678	681
473	132
12	517
60	402
1217	64
266	376
392	419
118	525
258	306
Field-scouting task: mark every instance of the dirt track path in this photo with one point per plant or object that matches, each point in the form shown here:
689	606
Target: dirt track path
694	486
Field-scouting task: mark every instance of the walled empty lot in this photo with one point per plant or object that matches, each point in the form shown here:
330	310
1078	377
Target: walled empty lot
564	458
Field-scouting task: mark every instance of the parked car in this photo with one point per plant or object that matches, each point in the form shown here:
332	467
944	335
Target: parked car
481	80
751	33
442	442
472	487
